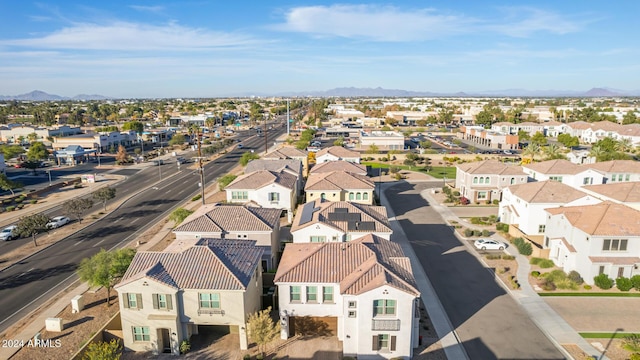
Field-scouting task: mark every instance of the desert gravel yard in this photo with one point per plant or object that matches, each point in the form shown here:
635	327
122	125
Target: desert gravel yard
601	314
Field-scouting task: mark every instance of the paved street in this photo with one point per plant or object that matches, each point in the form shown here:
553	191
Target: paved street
488	321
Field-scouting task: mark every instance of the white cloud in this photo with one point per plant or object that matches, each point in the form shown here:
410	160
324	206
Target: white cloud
524	21
127	36
151	9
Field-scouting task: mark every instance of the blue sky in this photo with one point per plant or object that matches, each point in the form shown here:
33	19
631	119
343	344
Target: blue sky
227	48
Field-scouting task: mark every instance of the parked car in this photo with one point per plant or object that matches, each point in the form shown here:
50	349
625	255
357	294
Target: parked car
508	152
8	233
240	146
57	222
489	244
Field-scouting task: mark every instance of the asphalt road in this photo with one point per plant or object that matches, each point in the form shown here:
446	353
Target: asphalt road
488	321
26	285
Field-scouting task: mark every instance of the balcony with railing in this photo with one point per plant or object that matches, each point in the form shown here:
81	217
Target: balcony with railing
208	311
389	325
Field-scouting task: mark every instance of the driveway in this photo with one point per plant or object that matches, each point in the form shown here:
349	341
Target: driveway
487	320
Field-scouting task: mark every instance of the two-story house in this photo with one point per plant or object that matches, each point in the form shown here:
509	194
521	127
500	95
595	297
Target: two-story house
340	186
626	193
291	166
234	222
595	239
290	152
363	291
265	188
164	297
565	172
339	221
339	165
523	206
335	153
483	181
618	170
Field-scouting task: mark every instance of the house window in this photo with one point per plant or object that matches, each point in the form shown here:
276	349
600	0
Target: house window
555	178
601	270
352	313
481	180
274	196
384	307
327	294
141	333
358	196
486	180
627	177
614	245
384	342
133	301
475	179
365	196
351	196
209	301
541	228
513	181
587	181
312	294
352	304
317	239
323	196
162	302
239	195
294	293
482	195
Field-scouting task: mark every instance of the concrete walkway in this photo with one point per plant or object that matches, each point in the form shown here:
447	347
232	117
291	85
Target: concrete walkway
547	319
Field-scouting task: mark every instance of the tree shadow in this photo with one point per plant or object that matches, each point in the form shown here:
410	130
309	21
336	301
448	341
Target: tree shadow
76	322
307	327
101	301
35	275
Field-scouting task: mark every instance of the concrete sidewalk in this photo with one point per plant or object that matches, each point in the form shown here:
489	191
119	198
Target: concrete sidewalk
547	319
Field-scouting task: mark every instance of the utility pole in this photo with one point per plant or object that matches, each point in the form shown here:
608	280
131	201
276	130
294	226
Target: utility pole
266	144
200	167
287	117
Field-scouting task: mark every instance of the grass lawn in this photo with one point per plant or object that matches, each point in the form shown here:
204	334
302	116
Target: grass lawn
605	335
438	172
591	294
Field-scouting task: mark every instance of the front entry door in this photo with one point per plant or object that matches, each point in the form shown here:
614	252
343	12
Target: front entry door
166	341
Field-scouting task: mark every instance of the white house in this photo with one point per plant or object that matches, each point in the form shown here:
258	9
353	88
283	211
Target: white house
339	186
340	165
363	292
257	224
289	152
565	172
618	170
291	166
265	188
626	193
484	180
335	153
595	239
164	297
340	221
579	157
523	206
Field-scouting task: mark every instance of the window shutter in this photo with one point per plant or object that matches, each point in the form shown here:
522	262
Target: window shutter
155	301
126	300
139	300
393	343
169	302
374	343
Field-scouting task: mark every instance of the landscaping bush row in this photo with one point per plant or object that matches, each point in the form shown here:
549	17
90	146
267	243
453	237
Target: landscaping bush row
622	283
543	263
470	233
524	247
486	220
502	227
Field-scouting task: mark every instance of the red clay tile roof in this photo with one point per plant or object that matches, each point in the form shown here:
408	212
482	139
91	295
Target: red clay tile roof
338	180
224	218
628	192
339	165
259	179
358	266
490	167
546	192
338	151
287	152
604	219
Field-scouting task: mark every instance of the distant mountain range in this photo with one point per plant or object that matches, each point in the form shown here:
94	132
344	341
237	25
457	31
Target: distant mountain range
38	95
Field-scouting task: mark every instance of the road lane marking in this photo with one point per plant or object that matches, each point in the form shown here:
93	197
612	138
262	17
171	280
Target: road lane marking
134	220
98	243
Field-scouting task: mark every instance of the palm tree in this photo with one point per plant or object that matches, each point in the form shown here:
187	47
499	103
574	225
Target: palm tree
624	145
531	150
597	152
553	151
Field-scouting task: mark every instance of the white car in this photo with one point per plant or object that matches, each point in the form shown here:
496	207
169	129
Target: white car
8	233
488	244
58	221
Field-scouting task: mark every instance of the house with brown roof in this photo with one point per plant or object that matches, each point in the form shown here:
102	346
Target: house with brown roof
269	189
626	193
335	153
595	239
235	222
618	170
339	165
483	181
290	152
166	297
291	166
339	221
565	172
340	186
363	291
523	206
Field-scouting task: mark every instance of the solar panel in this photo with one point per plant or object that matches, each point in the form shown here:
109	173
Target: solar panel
307	212
353	217
367	226
341	210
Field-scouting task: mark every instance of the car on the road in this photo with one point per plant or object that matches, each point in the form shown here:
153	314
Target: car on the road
508	152
8	233
489	244
240	146
57	222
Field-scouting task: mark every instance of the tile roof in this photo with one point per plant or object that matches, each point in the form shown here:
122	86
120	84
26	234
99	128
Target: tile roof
339	165
616	260
368	213
293	165
338	151
261	178
490	167
617	166
556	167
358	266
604	219
621	191
287	152
219	264
338	180
225	218
546	192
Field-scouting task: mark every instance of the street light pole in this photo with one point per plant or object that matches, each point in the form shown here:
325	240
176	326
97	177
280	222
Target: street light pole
200	168
287	117
49	172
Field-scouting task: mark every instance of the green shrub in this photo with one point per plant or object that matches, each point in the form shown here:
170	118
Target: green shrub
19	206
634	356
394	169
575	277
185	346
587	287
508	257
485	233
196	198
493	257
10	208
624	284
398	176
635	280
566	284
603	281
468	232
547	284
259	357
524	247
33	201
632	343
456	193
546	263
535	273
18	200
446	190
496	202
475	220
502	227
477	232
246	357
